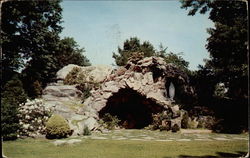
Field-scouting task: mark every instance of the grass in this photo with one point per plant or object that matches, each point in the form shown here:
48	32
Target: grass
89	148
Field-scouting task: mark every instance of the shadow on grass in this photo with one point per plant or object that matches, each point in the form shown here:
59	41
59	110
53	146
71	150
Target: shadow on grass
219	154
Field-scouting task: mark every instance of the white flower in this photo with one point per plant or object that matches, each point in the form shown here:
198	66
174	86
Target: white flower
27	117
26	126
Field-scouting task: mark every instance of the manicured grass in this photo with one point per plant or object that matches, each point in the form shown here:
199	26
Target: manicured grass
88	148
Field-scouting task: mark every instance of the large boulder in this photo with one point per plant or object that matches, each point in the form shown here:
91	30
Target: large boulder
65	100
96	73
62	73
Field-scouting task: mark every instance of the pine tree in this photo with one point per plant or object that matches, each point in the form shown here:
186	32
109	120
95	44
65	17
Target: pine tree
13	94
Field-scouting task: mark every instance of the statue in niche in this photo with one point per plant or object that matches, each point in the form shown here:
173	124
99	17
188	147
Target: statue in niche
171	91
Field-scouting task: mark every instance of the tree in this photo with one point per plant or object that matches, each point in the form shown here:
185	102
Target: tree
227	43
29	33
30	40
70	53
173	58
131	46
13	95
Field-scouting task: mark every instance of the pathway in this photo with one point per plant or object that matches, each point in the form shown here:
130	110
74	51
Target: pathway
146	135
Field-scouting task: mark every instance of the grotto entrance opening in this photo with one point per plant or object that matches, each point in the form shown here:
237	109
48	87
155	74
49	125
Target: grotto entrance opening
134	110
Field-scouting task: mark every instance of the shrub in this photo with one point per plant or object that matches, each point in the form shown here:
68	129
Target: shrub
192	123
220	90
184	121
33	116
57	127
86	131
109	121
161	121
85	89
79	78
72	76
206	122
12	95
37	87
175	128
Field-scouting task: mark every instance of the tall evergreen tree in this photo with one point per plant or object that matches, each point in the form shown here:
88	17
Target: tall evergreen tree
13	95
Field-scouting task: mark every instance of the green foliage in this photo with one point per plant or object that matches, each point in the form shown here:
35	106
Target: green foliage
184	121
133	50
227	43
72	76
109	121
206	122
85	89
170	57
30	40
30	32
57	127
192	123
70	53
38	90
131	46
12	95
86	131
76	76
220	90
161	121
175	128
135	57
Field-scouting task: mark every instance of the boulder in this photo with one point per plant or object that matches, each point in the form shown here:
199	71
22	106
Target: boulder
96	73
63	91
65	100
91	123
62	73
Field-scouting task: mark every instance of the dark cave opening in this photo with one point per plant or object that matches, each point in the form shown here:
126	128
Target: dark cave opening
134	110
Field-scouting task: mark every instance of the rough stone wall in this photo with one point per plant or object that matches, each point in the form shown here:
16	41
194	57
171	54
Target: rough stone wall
148	77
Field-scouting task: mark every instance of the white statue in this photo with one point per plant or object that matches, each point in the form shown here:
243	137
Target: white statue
171	91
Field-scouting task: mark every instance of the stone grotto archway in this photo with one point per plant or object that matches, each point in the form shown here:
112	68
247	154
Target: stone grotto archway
134	110
136	91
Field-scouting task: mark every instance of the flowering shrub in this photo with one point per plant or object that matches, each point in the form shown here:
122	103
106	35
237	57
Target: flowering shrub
32	118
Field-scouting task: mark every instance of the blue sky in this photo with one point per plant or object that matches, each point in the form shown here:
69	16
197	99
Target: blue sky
101	26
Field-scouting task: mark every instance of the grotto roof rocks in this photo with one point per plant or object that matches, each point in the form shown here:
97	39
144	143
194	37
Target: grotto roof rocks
148	77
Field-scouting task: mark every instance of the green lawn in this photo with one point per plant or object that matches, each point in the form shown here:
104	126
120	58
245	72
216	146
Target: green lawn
89	148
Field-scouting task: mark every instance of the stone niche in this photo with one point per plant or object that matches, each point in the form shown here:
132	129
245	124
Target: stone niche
136	91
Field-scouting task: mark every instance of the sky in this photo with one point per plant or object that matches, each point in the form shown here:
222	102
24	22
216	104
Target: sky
101	26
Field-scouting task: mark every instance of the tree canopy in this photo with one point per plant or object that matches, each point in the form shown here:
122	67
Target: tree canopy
31	43
30	34
133	45
227	44
70	53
